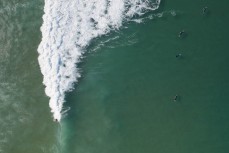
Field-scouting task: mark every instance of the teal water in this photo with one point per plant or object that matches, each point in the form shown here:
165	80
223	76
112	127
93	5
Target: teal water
124	101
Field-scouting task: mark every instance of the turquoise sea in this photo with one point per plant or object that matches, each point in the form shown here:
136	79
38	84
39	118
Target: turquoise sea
124	100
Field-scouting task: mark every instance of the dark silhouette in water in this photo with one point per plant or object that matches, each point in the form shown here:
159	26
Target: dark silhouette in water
175	98
181	34
178	55
205	10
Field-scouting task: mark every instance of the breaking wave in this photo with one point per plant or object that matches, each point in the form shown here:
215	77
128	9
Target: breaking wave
68	27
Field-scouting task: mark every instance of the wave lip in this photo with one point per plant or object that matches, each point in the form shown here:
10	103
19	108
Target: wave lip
68	27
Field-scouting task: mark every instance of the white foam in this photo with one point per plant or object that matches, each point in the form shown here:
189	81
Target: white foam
68	27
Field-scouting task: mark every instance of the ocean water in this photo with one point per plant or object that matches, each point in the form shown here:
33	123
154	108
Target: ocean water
119	61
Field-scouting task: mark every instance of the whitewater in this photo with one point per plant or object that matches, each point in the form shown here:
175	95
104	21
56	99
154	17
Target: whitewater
68	27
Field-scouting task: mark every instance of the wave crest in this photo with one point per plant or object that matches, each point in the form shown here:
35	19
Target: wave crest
68	27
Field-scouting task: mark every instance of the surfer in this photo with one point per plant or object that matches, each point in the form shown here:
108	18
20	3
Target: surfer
178	55
175	98
205	9
181	34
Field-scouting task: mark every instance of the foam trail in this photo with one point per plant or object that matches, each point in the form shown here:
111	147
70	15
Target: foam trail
68	27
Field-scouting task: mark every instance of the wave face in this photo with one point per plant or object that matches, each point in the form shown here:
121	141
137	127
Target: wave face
68	27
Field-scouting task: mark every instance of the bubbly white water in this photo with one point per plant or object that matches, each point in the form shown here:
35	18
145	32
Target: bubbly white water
68	27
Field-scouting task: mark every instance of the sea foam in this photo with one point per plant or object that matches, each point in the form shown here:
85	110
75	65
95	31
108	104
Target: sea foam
68	27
